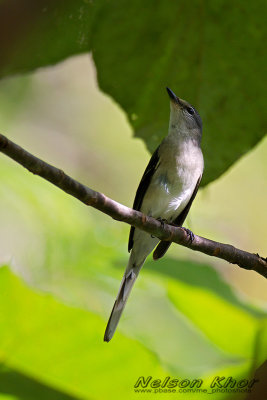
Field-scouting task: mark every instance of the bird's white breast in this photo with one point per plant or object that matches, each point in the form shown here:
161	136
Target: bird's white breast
172	185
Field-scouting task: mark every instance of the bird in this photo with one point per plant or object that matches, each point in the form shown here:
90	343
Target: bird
166	192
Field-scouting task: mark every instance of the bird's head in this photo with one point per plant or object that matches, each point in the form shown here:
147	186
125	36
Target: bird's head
184	118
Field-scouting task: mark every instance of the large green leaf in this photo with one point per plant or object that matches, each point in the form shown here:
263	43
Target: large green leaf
62	347
210	53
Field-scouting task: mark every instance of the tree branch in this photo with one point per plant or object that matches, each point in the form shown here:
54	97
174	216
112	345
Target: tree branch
122	213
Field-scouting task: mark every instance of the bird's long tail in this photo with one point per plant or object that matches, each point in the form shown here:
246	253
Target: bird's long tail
127	283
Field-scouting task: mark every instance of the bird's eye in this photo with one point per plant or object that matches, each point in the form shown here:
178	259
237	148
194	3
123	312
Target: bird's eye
190	110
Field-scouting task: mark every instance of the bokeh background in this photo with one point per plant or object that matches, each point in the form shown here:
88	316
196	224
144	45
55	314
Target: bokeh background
189	316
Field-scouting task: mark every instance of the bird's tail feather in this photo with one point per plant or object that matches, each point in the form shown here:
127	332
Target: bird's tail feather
123	294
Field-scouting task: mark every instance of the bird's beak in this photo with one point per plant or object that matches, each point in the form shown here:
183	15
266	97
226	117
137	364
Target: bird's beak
173	96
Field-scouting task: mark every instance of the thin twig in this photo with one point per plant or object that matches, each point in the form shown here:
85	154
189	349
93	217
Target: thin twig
122	213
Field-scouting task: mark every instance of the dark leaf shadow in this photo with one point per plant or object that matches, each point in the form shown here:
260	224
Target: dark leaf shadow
259	390
23	387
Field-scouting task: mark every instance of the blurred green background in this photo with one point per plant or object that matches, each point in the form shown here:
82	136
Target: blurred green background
190	315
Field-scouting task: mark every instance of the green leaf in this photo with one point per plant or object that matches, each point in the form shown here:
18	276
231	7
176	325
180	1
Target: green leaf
63	346
210	53
208	297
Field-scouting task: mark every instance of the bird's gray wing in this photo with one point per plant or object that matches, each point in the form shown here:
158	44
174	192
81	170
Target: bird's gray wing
163	246
142	188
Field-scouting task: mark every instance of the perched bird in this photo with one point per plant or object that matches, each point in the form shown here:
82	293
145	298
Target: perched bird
166	192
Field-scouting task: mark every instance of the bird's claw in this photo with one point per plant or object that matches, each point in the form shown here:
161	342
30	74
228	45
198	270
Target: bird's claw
162	222
189	233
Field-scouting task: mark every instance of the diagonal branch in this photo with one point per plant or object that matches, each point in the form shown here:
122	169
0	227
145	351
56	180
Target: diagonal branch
122	213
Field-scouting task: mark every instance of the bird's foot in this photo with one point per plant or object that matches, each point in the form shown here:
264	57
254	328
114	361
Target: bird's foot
189	233
162	222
